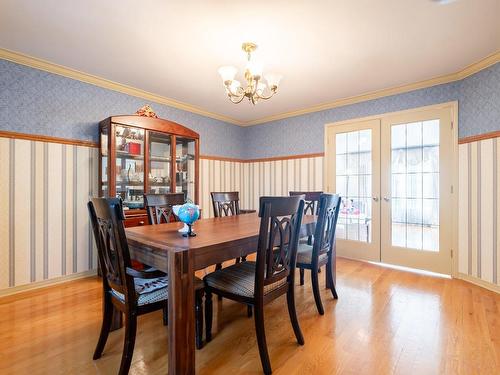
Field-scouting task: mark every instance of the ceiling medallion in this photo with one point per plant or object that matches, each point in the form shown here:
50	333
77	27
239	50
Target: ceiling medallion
255	89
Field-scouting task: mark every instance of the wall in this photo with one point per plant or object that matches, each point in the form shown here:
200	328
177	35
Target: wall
479	112
36	102
479	214
259	178
44	227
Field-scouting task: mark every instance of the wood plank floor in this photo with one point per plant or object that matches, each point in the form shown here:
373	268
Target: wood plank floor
386	321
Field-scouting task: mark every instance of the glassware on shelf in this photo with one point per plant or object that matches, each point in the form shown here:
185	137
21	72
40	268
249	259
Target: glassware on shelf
185	167
159	163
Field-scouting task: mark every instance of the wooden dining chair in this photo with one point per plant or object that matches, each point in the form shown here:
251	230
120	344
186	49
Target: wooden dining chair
271	276
159	206
311	201
131	292
311	208
227	204
322	251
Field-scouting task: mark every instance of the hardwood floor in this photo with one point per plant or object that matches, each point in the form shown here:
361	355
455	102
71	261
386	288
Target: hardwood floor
386	321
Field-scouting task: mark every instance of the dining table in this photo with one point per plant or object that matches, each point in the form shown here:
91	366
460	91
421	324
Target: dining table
217	240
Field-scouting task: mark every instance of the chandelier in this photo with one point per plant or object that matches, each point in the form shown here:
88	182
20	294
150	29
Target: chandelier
255	89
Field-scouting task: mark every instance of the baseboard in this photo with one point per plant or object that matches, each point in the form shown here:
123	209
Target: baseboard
46	283
483	284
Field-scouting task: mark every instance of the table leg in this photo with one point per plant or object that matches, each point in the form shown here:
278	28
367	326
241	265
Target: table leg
181	350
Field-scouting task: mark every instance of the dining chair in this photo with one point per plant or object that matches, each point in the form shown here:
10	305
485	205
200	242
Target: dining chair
131	292
270	276
159	206
310	208
322	251
227	204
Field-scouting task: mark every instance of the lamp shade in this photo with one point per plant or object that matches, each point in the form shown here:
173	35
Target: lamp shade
227	73
234	86
273	79
260	88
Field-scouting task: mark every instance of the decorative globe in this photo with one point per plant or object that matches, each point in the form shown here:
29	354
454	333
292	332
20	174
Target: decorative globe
188	213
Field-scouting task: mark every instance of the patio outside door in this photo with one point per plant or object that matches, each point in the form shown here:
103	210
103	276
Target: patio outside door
395	177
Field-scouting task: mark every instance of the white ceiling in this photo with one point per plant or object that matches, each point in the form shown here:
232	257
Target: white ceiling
326	50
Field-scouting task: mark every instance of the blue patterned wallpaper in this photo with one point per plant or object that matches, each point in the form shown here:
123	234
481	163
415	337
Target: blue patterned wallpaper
479	112
36	102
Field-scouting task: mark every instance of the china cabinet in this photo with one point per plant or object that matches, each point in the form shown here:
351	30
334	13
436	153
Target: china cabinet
141	155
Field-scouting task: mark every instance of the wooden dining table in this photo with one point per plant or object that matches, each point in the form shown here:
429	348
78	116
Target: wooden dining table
164	248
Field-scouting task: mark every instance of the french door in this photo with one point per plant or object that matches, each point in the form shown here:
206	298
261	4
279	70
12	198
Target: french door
394	174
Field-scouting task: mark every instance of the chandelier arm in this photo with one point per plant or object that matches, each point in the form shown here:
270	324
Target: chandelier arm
238	100
267	97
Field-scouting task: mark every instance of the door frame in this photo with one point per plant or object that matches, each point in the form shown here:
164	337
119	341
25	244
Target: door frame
453	107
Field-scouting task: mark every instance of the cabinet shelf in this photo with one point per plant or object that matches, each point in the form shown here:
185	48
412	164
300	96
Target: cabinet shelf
159	148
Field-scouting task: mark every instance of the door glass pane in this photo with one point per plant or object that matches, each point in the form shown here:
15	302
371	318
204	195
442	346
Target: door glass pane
130	166
354	184
185	173
159	160
415	185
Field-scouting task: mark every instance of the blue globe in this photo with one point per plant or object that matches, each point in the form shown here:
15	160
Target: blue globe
189	213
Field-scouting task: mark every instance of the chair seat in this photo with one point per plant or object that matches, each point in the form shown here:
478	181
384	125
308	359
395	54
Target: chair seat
153	290
304	254
238	279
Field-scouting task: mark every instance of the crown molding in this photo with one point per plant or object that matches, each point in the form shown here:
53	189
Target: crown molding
448	78
47	66
34	62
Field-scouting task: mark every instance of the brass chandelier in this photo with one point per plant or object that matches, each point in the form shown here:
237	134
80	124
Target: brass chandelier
255	89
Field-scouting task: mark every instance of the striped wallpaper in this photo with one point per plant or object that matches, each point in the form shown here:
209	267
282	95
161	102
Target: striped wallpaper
255	179
45	233
478	210
44	229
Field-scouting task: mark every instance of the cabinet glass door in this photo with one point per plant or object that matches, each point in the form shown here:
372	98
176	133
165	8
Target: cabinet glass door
185	167
130	166
104	162
159	163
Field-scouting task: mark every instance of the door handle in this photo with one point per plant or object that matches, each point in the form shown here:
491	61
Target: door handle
387	199
375	199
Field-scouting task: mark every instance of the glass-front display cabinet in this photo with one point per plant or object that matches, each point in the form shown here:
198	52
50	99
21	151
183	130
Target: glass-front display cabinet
141	155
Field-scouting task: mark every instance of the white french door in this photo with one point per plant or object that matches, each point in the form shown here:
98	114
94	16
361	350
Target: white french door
394	174
354	167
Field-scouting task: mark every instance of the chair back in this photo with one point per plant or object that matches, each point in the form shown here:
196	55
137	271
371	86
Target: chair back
106	216
311	206
159	206
226	203
280	222
324	233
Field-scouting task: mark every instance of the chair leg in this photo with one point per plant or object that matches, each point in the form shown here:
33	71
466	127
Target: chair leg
301	270
218	266
165	315
128	347
315	286
290	299
107	317
329	279
249	311
244	258
261	338
198	315
208	315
